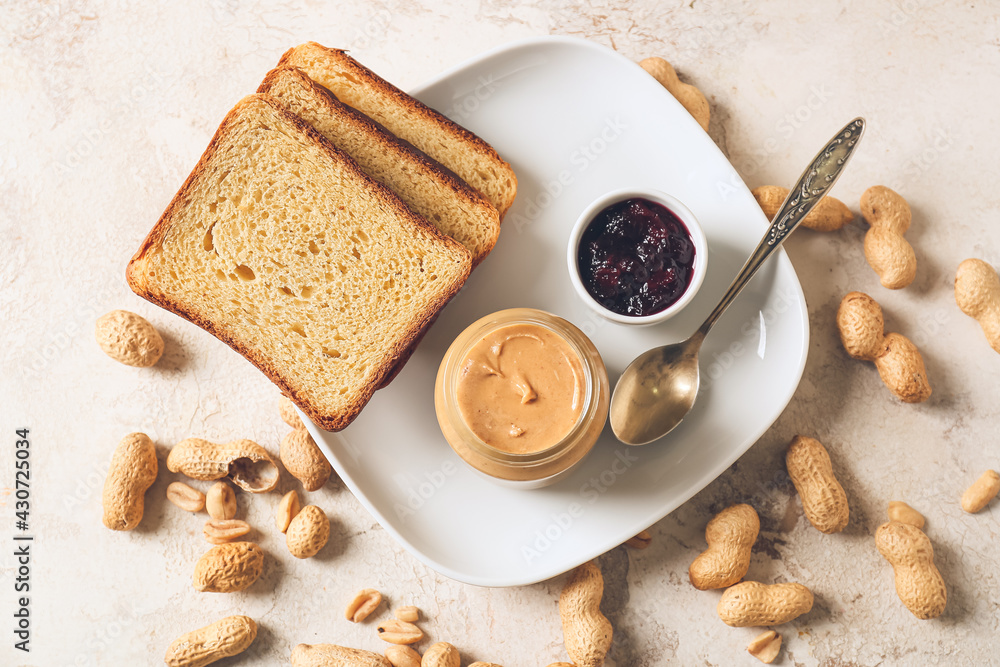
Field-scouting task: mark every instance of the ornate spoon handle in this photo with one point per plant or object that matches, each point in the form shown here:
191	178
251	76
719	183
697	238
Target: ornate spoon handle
810	189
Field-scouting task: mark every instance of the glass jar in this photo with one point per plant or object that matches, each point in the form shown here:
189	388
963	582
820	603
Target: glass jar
549	463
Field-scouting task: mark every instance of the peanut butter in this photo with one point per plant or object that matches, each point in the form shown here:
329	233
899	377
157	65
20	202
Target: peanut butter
521	389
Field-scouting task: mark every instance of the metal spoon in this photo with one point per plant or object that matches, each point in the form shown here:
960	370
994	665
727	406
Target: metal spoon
658	389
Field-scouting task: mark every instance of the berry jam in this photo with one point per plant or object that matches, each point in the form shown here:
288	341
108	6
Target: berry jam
636	257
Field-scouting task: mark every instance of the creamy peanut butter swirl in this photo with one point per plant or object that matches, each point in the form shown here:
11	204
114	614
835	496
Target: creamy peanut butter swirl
521	388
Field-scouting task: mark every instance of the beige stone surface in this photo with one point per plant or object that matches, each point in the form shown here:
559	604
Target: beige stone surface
104	109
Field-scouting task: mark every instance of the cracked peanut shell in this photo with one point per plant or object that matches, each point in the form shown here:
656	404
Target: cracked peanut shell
244	461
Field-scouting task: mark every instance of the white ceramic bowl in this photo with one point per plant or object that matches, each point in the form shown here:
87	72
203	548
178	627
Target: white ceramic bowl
682	212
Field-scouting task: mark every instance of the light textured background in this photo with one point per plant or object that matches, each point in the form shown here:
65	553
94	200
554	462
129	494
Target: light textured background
105	107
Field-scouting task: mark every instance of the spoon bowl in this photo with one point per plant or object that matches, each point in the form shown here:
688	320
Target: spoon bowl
671	370
660	386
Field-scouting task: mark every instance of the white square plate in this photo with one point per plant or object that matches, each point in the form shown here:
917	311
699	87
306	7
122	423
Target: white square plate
576	120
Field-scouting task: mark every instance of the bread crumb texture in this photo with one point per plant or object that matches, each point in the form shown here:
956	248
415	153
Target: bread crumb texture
279	245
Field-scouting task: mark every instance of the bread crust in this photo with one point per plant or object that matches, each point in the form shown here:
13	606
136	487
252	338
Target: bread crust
367	77
139	284
377	133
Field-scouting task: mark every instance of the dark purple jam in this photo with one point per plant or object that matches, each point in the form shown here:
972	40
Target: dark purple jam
636	257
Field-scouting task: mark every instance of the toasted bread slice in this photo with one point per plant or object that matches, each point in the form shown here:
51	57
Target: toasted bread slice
282	247
434	192
474	160
445	200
